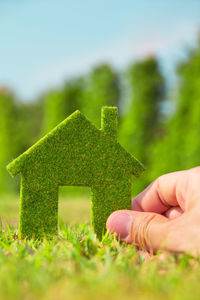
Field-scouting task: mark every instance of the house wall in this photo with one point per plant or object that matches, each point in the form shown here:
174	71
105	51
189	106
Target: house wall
38	209
108	197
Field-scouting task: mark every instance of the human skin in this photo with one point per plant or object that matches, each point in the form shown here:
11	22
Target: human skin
166	215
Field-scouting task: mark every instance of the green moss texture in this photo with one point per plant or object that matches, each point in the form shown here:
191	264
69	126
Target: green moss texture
75	153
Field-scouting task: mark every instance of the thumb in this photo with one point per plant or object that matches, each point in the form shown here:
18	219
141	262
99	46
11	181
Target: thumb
145	230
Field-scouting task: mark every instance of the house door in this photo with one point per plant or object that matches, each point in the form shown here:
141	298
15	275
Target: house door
74	204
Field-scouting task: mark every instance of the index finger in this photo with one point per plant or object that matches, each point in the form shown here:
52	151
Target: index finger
166	191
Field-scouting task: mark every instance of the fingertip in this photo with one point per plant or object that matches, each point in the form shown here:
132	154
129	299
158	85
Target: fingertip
119	223
173	212
135	204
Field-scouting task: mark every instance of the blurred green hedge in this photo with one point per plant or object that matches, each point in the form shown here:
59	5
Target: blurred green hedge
164	140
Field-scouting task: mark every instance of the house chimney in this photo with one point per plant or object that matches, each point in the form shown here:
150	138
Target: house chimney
109	122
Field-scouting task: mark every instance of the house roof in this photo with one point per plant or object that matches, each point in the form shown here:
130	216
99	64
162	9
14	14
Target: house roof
75	123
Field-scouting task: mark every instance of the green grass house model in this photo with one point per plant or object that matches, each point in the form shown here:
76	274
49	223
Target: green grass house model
75	153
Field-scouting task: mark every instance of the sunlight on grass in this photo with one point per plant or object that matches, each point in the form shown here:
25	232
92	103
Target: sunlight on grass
76	265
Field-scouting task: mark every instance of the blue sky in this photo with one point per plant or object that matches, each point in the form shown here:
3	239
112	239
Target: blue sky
44	42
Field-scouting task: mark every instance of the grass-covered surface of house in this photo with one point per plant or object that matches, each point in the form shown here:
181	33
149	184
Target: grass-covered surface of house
75	153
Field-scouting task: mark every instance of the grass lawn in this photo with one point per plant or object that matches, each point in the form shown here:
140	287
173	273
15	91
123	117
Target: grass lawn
75	265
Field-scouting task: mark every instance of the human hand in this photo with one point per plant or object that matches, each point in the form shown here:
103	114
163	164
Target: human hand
166	215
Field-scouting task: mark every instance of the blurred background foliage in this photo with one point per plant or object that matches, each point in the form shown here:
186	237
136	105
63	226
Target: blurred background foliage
164	141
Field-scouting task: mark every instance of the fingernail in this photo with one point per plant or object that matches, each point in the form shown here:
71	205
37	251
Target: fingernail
119	223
